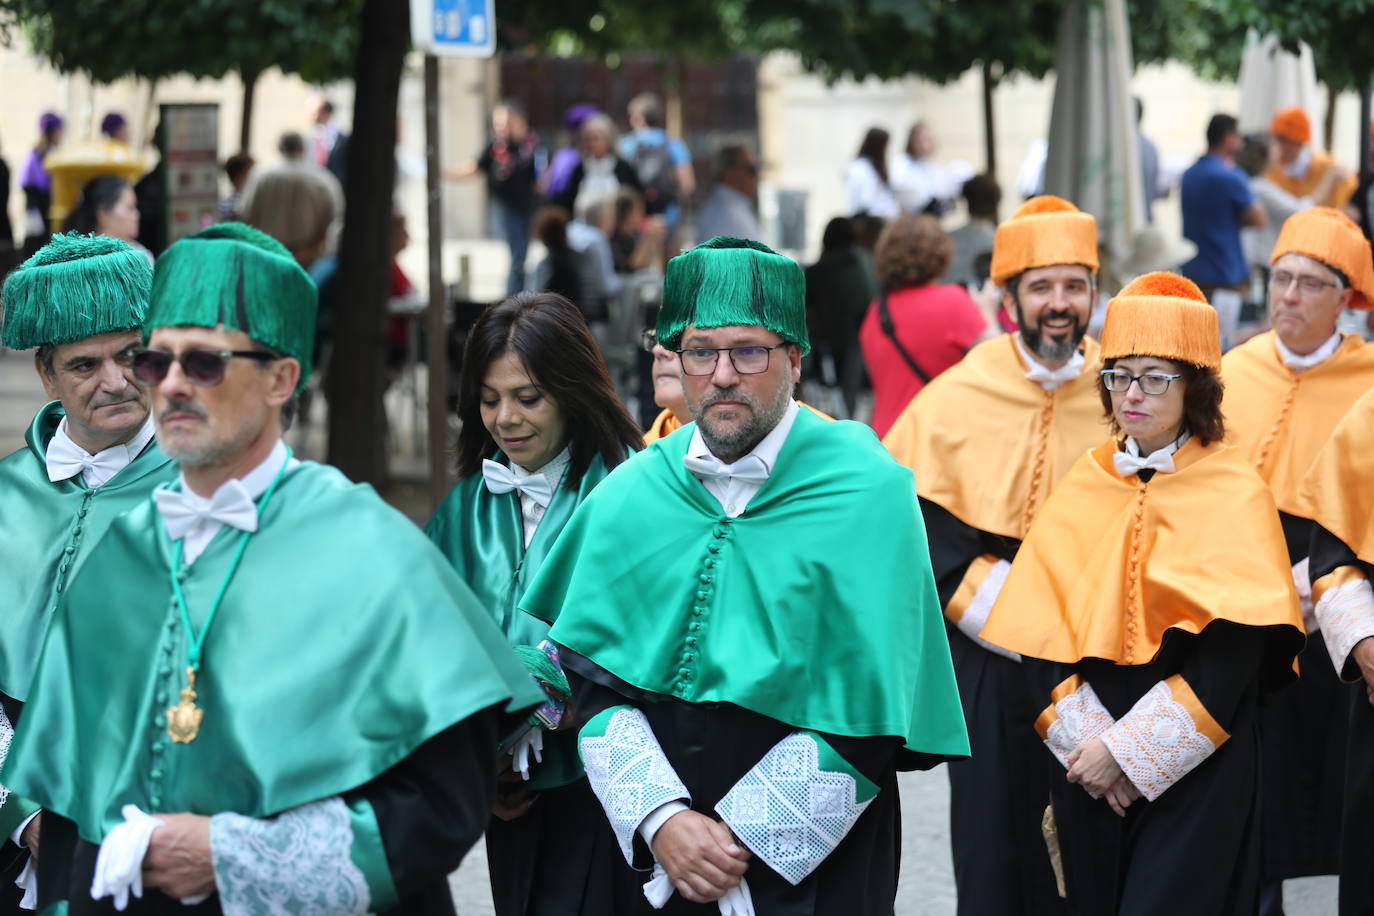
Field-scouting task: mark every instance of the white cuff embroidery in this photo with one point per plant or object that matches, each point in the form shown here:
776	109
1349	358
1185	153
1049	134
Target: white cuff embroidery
6	736
1345	614
1157	743
789	811
630	774
1082	717
1303	583
971	624
296	862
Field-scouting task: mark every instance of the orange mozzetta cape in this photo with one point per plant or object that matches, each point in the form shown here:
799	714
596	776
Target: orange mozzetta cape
666	423
1338	492
1279	418
1303	187
1112	563
988	445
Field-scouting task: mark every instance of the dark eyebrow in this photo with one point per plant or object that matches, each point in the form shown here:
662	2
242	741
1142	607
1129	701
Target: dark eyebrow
76	361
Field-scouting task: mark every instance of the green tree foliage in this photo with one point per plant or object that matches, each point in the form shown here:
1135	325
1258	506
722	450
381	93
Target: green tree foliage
1338	31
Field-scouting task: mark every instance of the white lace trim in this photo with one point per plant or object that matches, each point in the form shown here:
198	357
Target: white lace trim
630	774
295	864
1302	581
1157	743
971	624
789	811
1345	614
1082	717
6	736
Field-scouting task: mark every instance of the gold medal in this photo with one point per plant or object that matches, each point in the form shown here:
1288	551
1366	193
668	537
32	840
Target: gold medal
183	719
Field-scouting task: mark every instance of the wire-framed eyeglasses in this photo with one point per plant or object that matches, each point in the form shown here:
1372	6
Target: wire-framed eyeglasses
750	360
1308	285
1154	383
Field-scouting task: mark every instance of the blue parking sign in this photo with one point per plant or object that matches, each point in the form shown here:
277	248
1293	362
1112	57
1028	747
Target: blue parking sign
458	28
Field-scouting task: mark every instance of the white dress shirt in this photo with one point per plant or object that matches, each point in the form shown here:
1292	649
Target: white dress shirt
531	509
100	468
255	482
866	192
732	493
1297	362
1043	375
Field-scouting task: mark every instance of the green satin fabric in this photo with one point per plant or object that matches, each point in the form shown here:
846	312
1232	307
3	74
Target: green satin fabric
483	536
344	642
46	532
817	607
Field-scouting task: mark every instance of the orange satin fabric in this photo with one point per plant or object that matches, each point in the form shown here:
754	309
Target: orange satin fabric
1279	418
1112	563
1338	491
1303	187
988	445
663	424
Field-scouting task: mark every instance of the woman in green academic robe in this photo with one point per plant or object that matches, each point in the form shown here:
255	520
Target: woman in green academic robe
541	426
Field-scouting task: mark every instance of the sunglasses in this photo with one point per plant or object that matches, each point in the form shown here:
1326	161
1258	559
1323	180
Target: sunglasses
201	367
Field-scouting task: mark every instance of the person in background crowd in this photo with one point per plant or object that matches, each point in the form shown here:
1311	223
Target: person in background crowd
917	327
636	239
732	206
920	182
291	146
662	163
511	162
667	392
37	185
324	133
116	127
1257	153
975	236
237	168
587	237
1149	167
867	190
561	270
600	172
1302	171
7	252
108	206
839	288
554	181
1217	201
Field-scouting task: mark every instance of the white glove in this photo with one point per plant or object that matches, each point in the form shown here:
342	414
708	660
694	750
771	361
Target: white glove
659	888
119	865
530	741
28	880
736	902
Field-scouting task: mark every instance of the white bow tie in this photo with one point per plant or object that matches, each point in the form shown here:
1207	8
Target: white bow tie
66	459
231	505
1128	464
501	479
749	469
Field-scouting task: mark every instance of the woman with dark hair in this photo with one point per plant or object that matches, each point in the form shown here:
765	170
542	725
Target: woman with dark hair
917	327
37	184
1153	607
107	206
542	426
866	187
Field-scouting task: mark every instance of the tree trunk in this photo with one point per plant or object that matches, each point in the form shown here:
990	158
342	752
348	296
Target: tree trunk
1329	123
250	83
357	419
989	123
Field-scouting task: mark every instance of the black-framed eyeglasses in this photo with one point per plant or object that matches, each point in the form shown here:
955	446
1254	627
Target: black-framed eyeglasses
1155	383
648	339
1281	280
202	367
750	360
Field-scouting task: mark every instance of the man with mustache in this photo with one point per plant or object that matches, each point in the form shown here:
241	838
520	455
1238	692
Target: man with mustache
750	625
988	440
1286	390
265	690
89	456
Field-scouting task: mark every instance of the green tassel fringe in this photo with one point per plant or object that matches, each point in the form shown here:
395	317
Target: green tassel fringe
234	275
730	281
74	287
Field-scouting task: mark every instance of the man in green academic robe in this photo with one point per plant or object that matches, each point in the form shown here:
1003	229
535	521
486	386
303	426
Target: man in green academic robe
265	690
754	633
89	456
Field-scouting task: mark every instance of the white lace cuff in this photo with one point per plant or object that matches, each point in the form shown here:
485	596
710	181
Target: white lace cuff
980	606
1302	581
796	805
6	736
1075	715
1166	734
1345	613
297	862
628	771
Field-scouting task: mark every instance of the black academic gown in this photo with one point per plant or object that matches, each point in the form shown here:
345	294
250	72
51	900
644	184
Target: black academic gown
431	808
1357	823
1303	748
711	745
997	796
1194	850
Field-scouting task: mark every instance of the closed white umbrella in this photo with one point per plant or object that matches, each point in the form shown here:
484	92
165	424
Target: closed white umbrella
1272	79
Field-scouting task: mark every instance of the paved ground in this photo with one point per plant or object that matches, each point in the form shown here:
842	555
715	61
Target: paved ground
927	886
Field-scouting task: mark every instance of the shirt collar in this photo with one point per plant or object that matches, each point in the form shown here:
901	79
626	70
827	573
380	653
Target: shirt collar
1298	362
1133	447
1043	375
1299	166
124	452
769	446
255	481
552	469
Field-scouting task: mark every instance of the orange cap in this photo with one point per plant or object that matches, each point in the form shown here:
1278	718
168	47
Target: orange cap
1165	315
1044	231
1292	124
1328	235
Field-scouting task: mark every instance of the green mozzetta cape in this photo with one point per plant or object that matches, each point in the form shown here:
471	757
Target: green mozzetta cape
343	643
483	536
46	531
816	607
